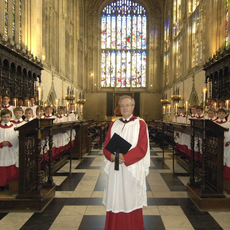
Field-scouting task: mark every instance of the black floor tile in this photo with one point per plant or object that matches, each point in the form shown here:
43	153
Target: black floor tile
2	215
161	201
92	223
93	153
203	222
43	220
153	223
101	182
158	164
71	182
85	163
173	183
78	201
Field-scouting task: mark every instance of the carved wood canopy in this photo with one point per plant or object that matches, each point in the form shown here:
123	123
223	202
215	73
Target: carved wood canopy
217	74
18	73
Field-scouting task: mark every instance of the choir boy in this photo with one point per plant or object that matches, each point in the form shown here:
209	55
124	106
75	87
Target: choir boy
212	114
5	103
199	112
72	116
39	112
221	104
61	115
8	149
18	121
33	106
193	112
29	115
49	112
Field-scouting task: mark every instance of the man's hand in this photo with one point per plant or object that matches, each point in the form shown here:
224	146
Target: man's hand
121	158
5	143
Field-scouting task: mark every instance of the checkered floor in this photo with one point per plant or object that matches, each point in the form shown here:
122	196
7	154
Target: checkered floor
78	200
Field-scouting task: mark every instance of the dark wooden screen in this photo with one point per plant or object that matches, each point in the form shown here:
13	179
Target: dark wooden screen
18	73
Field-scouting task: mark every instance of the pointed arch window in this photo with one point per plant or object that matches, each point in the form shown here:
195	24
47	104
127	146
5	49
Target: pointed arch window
123	44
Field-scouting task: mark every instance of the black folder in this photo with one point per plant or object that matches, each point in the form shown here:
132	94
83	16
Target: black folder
119	145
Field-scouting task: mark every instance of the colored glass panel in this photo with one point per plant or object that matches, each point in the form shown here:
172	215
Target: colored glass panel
108	68
113	44
139	32
144	32
103	31
108	31
119	69
103	69
123	69
134	69
129	38
113	69
139	70
124	32
119	31
134	33
128	72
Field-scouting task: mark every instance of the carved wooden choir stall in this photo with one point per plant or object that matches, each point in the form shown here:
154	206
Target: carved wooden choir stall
203	159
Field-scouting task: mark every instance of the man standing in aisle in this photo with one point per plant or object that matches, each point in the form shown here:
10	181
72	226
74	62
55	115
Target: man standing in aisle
125	192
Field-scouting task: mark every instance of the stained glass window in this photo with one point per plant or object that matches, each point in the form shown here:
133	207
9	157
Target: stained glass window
123	44
13	19
176	17
166	51
6	18
226	23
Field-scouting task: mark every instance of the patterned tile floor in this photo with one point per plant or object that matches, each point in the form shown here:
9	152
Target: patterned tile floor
78	200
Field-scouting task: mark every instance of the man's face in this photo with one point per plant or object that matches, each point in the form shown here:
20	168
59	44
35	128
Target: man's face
18	114
5	100
126	108
211	114
28	114
6	118
221	115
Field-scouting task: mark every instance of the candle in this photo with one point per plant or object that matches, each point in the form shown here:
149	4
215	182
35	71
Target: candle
215	105
39	93
186	106
56	105
169	107
204	95
15	102
28	104
67	106
176	108
81	108
227	104
75	107
163	109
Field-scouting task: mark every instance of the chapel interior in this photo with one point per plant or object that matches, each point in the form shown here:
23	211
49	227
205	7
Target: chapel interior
163	53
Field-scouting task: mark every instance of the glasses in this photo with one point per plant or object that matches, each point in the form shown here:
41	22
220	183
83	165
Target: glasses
125	106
